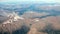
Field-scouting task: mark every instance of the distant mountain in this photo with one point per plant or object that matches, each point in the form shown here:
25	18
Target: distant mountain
21	8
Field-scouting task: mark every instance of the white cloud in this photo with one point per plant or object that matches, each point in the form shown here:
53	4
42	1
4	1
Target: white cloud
48	1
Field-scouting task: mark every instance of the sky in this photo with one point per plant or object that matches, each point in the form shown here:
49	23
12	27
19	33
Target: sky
47	1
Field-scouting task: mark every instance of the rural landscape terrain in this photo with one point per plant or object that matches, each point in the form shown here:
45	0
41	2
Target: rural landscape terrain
19	18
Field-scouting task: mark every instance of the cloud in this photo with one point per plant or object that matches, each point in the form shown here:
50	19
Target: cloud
10	19
47	1
48	7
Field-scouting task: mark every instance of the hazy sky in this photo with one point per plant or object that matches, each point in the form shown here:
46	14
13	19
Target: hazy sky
47	1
